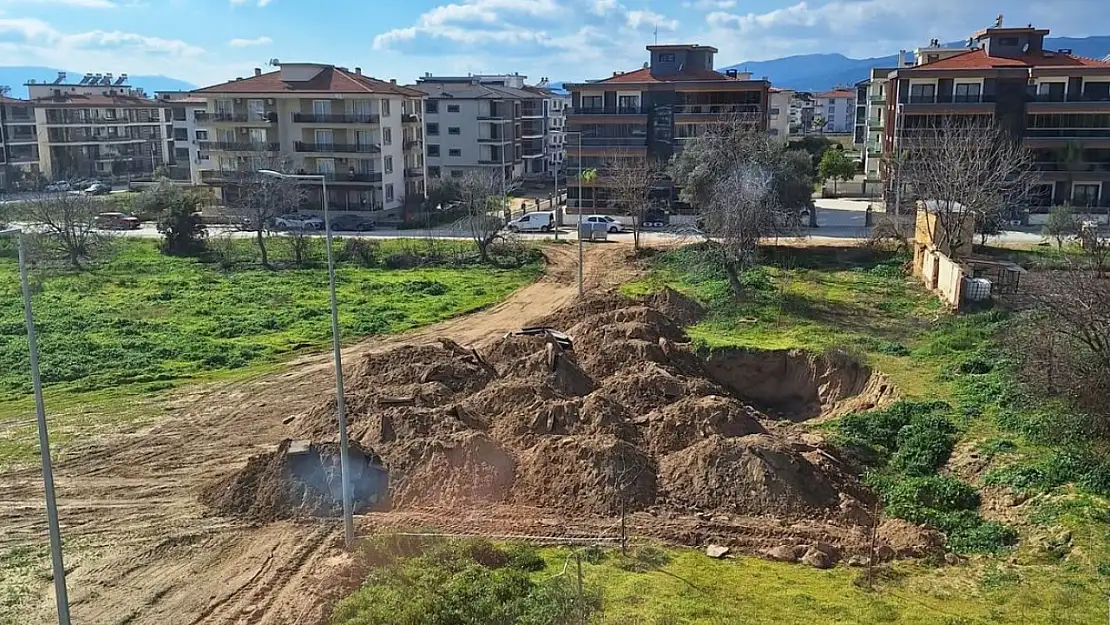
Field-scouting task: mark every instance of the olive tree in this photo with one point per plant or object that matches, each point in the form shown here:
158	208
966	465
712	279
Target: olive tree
177	210
745	187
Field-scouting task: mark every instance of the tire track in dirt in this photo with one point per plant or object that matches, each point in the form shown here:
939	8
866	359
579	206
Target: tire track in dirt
158	558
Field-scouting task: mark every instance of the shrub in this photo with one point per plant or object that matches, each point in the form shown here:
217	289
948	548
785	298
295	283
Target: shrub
873	436
362	251
924	445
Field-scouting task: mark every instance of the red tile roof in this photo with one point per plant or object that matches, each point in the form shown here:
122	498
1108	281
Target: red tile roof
978	59
644	75
5	99
77	99
837	93
329	80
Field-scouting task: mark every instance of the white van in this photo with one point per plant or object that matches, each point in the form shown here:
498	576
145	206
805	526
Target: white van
543	222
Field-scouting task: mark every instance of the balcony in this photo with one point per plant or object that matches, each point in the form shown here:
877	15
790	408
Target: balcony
717	109
337	118
1059	98
265	117
239	146
413	144
877	99
414	172
99	139
493	116
409	118
1067	133
607	142
90	121
494	139
354	148
608	110
17	139
350	176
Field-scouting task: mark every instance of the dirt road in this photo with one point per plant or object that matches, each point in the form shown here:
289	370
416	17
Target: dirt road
143	550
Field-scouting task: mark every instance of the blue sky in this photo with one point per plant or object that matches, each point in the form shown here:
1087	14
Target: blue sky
208	41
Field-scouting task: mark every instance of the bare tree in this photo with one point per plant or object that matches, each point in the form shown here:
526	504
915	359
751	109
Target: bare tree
965	170
67	223
261	198
482	194
745	187
1096	244
630	180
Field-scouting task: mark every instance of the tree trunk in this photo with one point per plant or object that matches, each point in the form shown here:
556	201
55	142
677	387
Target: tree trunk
734	283
261	240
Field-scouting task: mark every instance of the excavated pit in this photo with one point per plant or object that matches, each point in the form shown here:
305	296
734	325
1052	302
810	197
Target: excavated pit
632	418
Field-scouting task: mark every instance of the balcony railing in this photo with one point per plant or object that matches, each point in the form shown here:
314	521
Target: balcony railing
358	148
596	142
98	139
1082	168
336	118
715	109
493	117
412	144
414	172
349	176
93	121
1071	99
409	118
922	99
494	139
265	117
1067	133
608	110
239	146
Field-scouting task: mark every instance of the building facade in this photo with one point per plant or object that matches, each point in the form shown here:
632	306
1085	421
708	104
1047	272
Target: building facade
1055	102
483	122
99	127
876	110
556	106
19	149
650	112
779	115
837	109
801	113
365	135
186	158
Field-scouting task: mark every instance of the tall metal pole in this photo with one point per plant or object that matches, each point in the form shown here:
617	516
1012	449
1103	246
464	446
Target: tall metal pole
340	402
581	263
555	199
60	594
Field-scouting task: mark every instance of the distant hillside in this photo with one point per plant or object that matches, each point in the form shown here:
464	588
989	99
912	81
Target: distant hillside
818	72
16	77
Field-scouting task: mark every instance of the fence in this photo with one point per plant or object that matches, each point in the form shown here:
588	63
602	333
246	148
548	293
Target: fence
941	274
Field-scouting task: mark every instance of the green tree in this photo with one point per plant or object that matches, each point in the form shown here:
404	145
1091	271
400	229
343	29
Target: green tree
178	213
835	165
1061	224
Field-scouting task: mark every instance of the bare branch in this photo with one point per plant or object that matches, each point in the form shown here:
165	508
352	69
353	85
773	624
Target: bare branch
67	222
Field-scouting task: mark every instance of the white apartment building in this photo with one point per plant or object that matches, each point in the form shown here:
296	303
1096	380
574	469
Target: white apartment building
780	114
365	135
99	127
186	158
801	112
555	107
19	150
838	109
484	121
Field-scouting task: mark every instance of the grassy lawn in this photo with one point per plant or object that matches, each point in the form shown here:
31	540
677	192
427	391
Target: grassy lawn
142	322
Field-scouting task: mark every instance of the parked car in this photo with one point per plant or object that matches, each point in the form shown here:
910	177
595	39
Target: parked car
298	222
117	221
98	188
58	187
351	223
614	226
531	222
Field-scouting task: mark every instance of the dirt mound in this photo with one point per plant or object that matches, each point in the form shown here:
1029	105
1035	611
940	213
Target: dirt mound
631	415
753	475
906	540
299	480
589	474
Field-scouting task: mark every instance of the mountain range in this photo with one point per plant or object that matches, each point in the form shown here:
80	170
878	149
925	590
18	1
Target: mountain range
820	72
17	76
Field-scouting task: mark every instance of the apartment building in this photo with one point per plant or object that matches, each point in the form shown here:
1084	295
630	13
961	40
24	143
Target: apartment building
484	122
186	159
875	133
100	127
555	106
1052	100
779	116
365	135
19	150
652	111
837	108
801	113
860	133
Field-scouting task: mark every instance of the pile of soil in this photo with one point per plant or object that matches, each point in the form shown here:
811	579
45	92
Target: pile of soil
630	417
300	480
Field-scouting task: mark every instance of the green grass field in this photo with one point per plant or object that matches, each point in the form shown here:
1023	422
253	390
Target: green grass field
142	323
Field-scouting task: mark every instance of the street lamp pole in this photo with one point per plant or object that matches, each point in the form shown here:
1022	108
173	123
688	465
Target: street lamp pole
581	287
60	594
340	403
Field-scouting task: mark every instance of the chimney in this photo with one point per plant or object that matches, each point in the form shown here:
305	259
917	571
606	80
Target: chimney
392	81
258	71
358	71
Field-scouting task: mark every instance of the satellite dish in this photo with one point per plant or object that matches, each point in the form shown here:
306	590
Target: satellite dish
1025	48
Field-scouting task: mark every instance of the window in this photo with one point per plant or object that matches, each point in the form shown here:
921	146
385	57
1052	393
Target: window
181	154
257	135
457	173
923	94
325	140
389	164
433	150
321	107
666	57
202	135
1008	41
454	130
968	92
180	134
364	139
432	130
389	192
431	106
1051	91
774	112
452	108
364	166
1085	194
433	172
256	109
387	136
456	152
325	166
385	108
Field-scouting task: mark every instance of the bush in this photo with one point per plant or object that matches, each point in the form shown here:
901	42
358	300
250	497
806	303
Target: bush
924	445
874	436
362	251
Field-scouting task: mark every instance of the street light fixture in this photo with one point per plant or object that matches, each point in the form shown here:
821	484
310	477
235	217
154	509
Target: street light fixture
60	594
340	404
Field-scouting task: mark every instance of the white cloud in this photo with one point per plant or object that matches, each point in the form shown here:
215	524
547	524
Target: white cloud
35	32
646	20
710	5
82	4
246	43
476	21
260	3
603	7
